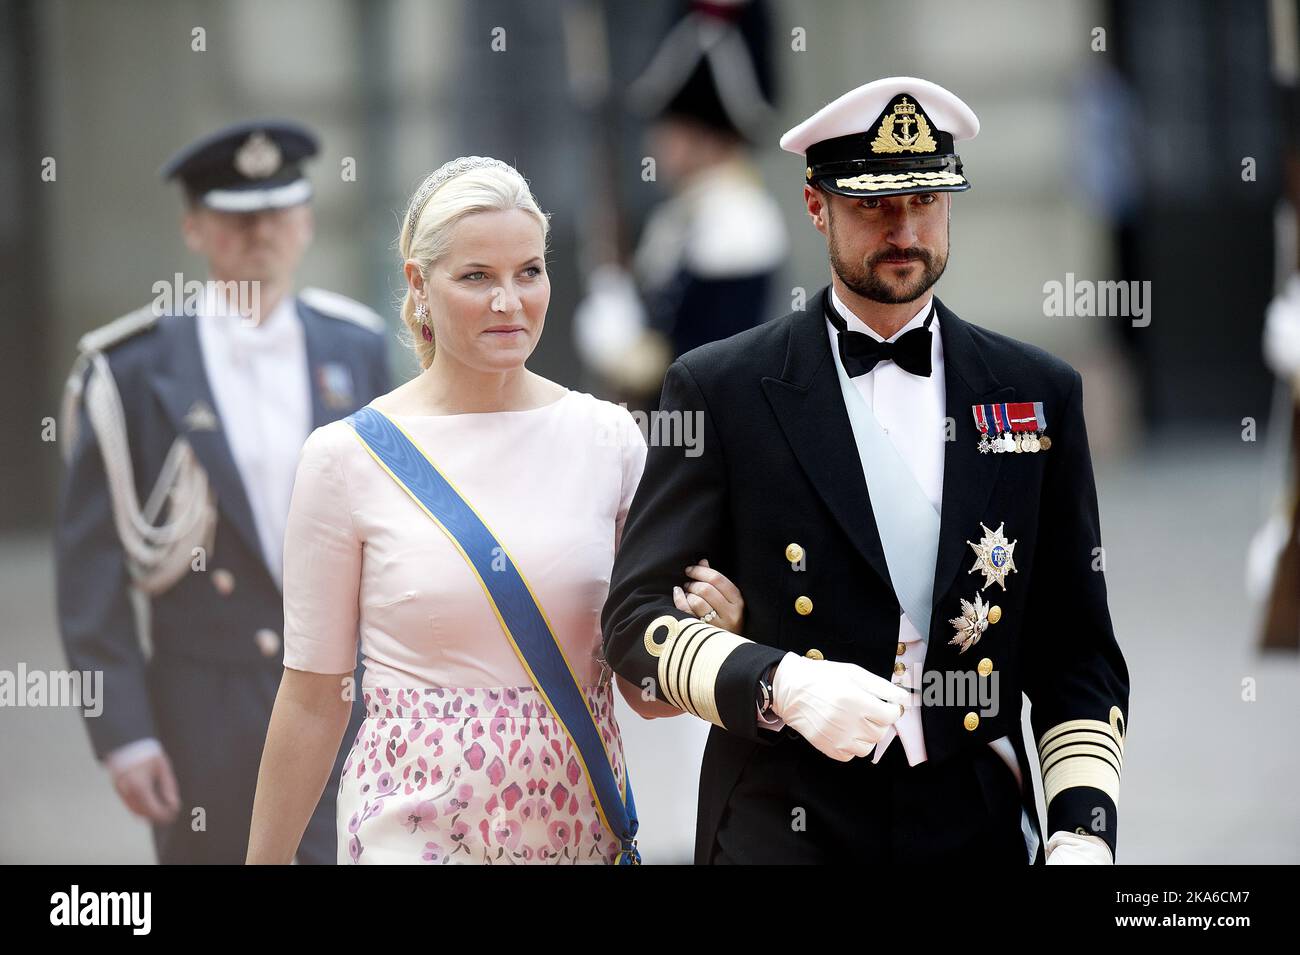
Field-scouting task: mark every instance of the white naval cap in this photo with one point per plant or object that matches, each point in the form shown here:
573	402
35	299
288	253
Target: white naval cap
888	137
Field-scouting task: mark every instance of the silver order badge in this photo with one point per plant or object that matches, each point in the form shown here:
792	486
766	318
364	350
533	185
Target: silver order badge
993	556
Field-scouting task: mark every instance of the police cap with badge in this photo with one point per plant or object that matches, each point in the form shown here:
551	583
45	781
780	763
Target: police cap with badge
890	137
246	167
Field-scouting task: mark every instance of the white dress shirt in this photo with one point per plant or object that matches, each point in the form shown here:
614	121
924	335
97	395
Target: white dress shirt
259	380
912	412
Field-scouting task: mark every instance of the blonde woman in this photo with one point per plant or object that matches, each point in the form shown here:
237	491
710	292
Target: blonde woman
462	527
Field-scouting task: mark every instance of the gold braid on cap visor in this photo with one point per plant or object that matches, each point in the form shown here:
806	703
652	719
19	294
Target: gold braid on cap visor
901	180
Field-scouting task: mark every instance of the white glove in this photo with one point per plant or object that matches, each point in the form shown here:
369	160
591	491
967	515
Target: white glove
610	320
839	708
1069	848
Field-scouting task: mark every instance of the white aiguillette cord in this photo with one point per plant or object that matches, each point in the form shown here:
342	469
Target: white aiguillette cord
157	555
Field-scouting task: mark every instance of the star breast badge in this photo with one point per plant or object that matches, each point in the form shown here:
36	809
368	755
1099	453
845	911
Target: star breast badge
993	556
972	623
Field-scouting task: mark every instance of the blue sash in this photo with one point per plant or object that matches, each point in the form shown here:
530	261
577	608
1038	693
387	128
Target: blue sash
515	606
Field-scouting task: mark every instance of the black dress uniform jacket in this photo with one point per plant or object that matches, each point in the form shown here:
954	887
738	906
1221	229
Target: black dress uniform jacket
779	465
207	689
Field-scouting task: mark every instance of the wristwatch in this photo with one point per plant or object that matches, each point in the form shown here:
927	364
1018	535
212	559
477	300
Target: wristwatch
764	695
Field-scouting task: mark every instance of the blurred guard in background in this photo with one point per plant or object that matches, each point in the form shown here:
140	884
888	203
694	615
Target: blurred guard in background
703	270
182	430
1273	566
707	255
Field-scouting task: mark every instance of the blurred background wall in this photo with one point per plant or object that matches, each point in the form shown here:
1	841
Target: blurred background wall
1102	164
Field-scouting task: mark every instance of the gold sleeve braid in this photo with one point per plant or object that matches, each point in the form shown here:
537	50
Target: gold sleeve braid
1083	753
691	654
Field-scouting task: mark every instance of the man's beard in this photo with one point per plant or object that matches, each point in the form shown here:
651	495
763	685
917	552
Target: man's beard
865	280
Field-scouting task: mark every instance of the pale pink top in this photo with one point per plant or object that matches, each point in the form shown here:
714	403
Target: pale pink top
361	558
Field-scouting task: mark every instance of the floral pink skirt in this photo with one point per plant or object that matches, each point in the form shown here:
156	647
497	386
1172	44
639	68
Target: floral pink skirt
471	776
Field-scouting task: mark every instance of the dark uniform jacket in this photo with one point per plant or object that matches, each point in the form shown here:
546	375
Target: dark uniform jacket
207	689
780	466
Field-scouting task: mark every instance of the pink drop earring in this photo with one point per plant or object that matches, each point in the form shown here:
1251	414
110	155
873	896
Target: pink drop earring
422	313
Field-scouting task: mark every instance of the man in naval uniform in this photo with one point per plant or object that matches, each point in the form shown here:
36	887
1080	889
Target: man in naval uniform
906	503
181	432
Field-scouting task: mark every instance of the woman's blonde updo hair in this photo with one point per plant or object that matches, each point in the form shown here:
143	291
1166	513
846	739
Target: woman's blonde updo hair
457	189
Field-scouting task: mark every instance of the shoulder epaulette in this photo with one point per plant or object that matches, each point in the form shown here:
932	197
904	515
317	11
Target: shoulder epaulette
340	306
118	330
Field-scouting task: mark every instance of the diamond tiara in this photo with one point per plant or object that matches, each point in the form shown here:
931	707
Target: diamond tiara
448	170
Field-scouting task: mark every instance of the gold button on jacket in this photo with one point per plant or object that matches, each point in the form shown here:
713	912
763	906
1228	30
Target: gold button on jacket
268	641
995	613
224	581
814	654
803	606
793	553
971	721
985	667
